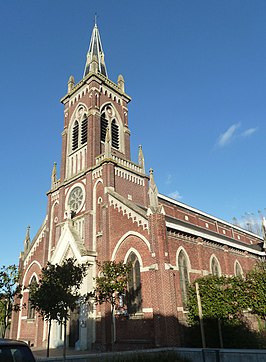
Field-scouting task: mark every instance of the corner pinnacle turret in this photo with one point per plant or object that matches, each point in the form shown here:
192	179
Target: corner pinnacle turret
95	54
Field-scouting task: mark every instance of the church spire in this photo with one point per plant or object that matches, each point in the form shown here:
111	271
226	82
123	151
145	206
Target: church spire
95	53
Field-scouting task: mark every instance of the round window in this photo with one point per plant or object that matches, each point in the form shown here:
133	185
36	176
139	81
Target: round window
75	198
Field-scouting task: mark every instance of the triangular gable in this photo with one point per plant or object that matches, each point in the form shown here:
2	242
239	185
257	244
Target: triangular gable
69	245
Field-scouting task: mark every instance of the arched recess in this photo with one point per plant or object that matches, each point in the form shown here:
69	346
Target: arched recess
53	215
78	128
110	118
77	140
238	271
96	210
124	237
215	267
183	265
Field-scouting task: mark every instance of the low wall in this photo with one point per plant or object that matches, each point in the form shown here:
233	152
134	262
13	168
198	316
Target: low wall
191	354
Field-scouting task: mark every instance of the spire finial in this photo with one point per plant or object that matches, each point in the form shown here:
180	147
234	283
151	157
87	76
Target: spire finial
95	50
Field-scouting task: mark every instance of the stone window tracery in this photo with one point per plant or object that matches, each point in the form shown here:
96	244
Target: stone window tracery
109	120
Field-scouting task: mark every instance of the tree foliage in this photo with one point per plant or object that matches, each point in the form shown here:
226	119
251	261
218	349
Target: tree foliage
58	291
10	295
221	298
256	290
112	282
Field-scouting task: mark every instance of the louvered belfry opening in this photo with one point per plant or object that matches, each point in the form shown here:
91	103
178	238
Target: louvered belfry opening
84	131
115	134
104	125
75	136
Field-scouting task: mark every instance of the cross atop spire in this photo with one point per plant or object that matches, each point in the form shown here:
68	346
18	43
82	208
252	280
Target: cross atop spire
95	53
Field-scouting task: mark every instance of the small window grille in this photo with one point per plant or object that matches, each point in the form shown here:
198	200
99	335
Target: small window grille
115	135
75	136
104	125
84	131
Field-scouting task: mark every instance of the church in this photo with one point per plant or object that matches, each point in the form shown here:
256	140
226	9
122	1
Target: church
105	207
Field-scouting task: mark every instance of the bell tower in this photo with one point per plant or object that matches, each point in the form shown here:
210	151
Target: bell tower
95	109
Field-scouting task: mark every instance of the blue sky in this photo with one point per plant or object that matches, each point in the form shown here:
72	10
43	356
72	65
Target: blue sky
196	72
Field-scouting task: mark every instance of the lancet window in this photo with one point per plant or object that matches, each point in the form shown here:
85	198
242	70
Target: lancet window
134	299
31	309
183	276
215	267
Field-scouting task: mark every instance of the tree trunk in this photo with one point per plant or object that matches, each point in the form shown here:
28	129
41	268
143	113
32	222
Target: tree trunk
48	337
113	329
220	333
64	346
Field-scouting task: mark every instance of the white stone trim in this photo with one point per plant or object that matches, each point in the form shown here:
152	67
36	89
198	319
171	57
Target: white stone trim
135	251
126	210
129	233
147	310
127	175
214	238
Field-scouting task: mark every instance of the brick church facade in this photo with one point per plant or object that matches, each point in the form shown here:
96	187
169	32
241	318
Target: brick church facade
106	207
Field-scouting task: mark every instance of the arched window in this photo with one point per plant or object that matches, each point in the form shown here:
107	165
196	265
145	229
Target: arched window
183	276
31	309
215	267
238	269
84	130
75	136
133	298
115	134
104	125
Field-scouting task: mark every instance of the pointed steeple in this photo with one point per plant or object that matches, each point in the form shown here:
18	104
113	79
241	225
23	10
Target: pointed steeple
95	54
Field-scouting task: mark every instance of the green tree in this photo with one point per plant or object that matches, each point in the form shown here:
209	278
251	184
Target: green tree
10	295
222	299
58	292
111	284
256	290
